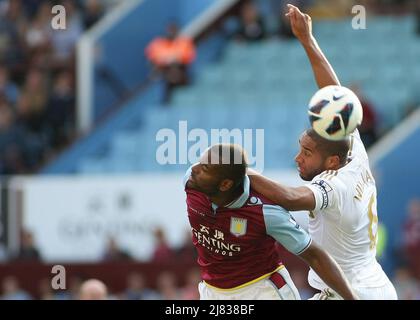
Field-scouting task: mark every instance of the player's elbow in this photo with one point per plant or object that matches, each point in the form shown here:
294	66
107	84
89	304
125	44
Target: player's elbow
289	203
313	255
285	199
295	200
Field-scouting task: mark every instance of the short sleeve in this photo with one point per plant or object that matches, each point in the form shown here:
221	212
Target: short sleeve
323	192
284	229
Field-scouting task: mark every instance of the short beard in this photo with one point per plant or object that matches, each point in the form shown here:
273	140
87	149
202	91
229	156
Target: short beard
311	176
304	178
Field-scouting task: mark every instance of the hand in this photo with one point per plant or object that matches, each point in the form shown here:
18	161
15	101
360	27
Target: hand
301	23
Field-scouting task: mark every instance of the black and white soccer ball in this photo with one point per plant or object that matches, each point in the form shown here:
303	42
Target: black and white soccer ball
335	112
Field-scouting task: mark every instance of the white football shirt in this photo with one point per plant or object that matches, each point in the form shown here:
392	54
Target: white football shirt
344	221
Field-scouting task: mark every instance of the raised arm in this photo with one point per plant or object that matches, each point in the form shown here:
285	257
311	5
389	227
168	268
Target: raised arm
302	29
300	198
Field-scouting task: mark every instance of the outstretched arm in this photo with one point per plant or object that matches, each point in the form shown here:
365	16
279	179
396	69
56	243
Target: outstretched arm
328	270
302	29
292	199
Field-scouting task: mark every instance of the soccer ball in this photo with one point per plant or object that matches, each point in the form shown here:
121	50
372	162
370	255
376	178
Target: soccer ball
335	112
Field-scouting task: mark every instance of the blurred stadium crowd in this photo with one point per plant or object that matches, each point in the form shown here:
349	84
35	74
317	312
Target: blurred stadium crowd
37	120
166	284
167	288
37	79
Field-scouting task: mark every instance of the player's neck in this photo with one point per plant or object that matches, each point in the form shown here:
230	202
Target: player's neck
225	199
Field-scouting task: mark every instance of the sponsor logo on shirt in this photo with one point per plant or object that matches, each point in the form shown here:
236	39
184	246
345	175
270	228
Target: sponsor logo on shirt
214	241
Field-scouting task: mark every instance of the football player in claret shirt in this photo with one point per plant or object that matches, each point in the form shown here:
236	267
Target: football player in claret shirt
235	230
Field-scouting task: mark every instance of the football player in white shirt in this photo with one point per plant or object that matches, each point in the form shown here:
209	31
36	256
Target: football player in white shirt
341	197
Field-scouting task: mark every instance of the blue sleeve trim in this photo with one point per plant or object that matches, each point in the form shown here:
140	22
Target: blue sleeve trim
283	228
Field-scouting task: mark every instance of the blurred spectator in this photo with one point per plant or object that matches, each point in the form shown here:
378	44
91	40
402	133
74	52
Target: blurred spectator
32	6
28	250
8	89
74	284
162	251
137	290
39	32
368	128
45	290
12	290
12	26
167	286
11	142
71	292
93	289
170	56
406	285
251	27
114	253
38	117
61	113
190	290
93	13
35	90
30	123
411	236
186	252
63	42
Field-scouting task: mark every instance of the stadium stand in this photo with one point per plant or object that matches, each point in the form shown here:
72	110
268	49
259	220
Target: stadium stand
262	85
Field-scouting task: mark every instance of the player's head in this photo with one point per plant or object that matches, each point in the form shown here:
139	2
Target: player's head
317	154
222	168
93	289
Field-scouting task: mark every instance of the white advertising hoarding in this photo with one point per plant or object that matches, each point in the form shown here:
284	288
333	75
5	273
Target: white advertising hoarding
72	217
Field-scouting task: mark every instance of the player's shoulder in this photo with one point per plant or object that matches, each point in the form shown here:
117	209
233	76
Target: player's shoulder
328	175
331	180
257	199
265	205
275	211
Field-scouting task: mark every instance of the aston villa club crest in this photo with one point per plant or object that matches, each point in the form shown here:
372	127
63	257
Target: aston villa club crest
238	226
